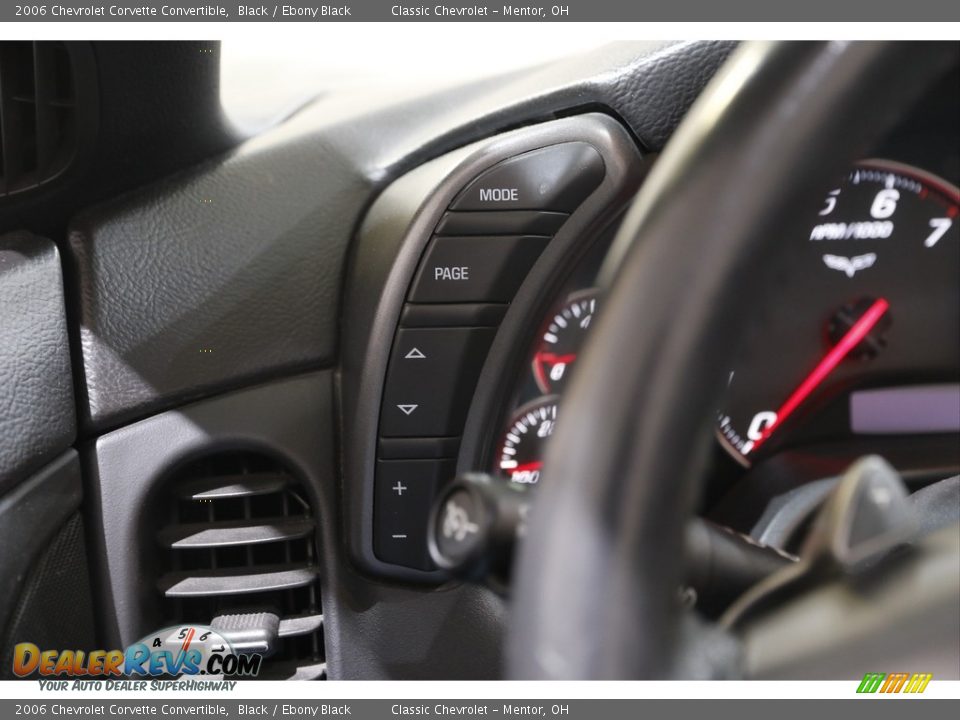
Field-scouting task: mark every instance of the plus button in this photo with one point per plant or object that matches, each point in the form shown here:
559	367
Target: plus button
398	488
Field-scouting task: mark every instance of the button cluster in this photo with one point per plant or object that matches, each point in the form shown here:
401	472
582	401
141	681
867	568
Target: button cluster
482	249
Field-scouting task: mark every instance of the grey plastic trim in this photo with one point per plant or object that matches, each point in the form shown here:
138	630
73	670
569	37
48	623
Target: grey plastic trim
786	513
372	629
840	626
300	625
234	532
216	583
290	420
390	244
223	487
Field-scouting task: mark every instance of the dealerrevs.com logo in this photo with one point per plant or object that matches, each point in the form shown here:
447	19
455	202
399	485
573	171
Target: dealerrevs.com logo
173	651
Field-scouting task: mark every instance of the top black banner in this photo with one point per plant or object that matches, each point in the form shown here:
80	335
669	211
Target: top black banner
466	11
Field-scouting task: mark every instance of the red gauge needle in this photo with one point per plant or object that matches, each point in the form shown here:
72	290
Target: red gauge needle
543	359
554	359
853	337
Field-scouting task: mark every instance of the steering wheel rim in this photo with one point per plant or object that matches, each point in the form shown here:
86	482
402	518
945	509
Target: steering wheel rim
595	595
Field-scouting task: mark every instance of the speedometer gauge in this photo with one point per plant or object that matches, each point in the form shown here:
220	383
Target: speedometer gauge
522	450
868	297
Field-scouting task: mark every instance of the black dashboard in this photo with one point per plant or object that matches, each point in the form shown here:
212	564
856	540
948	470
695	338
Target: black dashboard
259	342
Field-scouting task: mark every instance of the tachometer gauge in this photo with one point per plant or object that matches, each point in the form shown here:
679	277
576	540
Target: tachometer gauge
868	297
524	443
562	339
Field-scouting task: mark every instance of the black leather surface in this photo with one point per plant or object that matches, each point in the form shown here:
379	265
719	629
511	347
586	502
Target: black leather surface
232	272
37	419
216	277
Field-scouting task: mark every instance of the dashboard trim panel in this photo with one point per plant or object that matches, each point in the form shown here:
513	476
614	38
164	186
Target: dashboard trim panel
389	246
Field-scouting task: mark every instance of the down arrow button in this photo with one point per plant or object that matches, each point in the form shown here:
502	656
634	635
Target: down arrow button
431	379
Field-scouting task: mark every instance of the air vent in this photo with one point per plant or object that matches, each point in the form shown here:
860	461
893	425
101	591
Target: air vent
40	119
239	544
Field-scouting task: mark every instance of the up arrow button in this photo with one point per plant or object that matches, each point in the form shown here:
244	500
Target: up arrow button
431	376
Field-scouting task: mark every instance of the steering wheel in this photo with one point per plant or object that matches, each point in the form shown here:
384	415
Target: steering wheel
595	594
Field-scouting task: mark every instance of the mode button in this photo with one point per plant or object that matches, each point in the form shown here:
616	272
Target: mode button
556	178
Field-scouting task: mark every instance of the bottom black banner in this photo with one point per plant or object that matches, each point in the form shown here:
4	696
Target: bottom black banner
875	708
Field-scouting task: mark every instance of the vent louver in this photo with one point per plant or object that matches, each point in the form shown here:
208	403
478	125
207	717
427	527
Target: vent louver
239	544
39	117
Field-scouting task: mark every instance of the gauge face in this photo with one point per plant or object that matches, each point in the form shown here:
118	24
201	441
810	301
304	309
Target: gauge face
867	297
562	339
524	443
